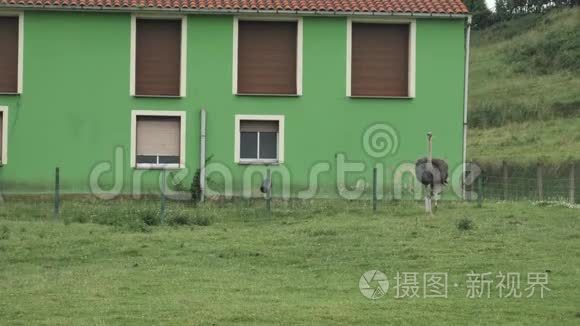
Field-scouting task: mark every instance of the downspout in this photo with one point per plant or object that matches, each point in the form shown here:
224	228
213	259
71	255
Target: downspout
202	157
465	95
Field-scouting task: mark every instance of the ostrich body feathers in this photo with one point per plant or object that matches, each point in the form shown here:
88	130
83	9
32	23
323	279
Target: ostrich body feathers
434	174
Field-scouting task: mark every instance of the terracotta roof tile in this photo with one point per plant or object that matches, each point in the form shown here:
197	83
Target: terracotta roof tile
331	6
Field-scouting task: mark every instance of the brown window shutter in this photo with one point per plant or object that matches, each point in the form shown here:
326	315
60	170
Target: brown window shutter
158	135
267	57
380	60
158	57
8	54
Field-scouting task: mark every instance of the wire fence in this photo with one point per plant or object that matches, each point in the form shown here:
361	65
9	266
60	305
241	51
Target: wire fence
535	182
504	182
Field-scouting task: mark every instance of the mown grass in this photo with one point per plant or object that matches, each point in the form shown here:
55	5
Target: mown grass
299	265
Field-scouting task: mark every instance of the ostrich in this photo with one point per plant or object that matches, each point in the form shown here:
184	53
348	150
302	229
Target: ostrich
432	173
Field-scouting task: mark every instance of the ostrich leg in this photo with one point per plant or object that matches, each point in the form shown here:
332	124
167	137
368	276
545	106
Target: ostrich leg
428	200
435	197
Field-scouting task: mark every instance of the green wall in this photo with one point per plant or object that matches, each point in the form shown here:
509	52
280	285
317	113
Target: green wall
75	108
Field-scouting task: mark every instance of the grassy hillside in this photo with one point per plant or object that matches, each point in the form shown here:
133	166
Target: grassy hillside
525	72
552	141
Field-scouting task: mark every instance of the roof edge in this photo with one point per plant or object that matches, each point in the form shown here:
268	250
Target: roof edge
234	11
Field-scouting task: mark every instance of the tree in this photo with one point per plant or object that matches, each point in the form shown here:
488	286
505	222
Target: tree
482	16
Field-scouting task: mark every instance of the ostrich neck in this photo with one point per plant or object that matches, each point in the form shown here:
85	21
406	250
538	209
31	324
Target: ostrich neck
430	156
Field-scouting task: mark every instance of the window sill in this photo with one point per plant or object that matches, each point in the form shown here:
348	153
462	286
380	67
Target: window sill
267	95
150	166
381	97
10	93
258	162
158	96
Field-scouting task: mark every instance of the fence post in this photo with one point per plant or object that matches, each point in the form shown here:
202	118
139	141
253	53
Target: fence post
467	189
480	191
268	192
162	208
505	180
56	192
572	184
374	189
540	182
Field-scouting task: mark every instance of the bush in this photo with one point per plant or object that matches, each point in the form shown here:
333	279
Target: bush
465	224
181	218
201	221
178	219
140	227
545	53
4	233
149	217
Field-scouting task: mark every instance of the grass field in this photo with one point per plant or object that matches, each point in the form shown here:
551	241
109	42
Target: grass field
111	263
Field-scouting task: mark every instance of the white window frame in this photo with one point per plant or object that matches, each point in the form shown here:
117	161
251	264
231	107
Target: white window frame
183	59
280	138
299	41
182	134
4	158
20	16
412	53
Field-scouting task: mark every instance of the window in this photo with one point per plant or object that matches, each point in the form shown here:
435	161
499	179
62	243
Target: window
259	139
158	57
10	54
381	59
267	57
158	139
3	135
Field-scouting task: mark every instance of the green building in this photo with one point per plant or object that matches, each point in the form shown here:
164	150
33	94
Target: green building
319	93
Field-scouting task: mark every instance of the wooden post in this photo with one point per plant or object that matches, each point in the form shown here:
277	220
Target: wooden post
162	208
505	180
269	192
56	192
466	187
374	189
572	184
480	191
540	174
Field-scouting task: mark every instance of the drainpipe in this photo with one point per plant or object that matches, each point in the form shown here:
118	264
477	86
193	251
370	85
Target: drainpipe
202	157
465	94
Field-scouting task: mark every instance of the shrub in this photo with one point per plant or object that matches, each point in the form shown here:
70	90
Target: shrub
4	233
465	224
149	217
139	226
201	221
178	219
181	218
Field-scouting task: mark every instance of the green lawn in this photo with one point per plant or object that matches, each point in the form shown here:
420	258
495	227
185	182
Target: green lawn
301	265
